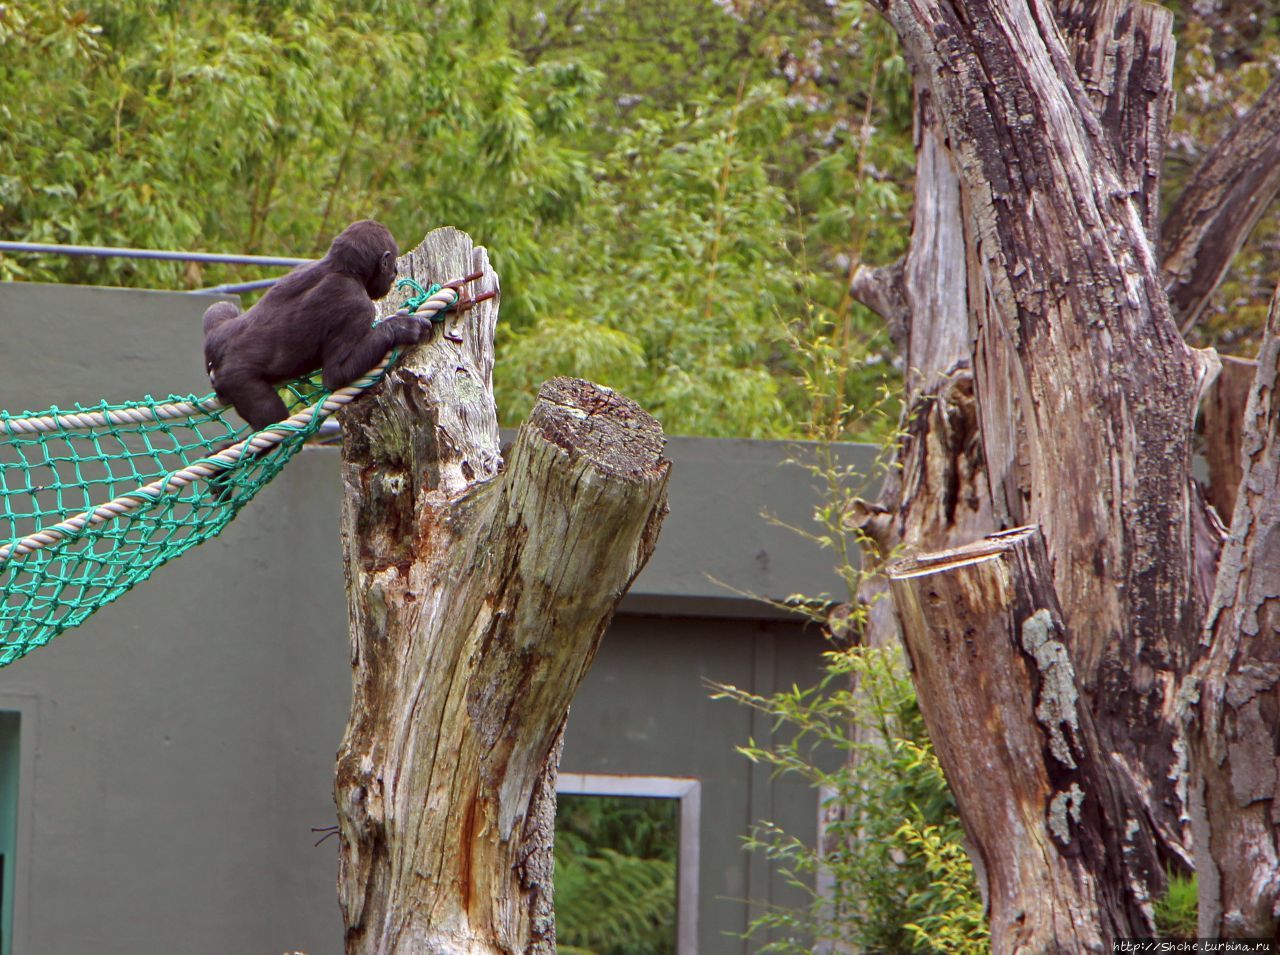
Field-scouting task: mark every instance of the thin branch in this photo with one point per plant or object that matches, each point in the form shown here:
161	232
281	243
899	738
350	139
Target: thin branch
1219	207
881	289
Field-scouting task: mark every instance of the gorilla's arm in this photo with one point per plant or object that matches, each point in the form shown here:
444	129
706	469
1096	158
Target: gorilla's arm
348	356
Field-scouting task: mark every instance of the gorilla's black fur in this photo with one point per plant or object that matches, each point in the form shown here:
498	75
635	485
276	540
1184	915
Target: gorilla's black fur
318	316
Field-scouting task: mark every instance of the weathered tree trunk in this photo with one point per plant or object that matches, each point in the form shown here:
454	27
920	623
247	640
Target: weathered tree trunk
478	595
1235	691
999	694
1063	287
1040	136
936	496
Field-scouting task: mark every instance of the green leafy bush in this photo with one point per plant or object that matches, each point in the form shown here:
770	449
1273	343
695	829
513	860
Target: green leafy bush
666	188
891	874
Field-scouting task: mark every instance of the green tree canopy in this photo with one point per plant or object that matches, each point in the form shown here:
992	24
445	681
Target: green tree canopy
669	189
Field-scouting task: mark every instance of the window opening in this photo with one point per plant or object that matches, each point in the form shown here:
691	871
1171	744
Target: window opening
626	864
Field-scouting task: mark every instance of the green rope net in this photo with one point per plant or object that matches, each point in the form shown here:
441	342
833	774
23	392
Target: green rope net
93	500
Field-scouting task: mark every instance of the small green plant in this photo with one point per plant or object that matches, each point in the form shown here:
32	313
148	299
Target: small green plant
1177	911
891	873
895	874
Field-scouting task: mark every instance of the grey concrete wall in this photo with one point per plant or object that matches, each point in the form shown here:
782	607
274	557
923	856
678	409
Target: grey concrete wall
729	538
178	747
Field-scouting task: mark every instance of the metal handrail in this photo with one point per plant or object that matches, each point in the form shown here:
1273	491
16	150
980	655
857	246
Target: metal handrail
108	251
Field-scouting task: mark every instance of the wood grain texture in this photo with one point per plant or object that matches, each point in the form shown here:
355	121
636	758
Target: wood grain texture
1086	392
1014	736
936	495
477	595
1124	55
1234	693
1222	426
1050	121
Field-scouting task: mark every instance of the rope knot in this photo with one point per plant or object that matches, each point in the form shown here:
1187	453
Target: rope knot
415	302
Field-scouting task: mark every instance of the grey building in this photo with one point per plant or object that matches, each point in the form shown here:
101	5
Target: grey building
162	765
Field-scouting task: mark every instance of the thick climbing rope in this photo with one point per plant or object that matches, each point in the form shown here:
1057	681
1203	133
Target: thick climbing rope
64	555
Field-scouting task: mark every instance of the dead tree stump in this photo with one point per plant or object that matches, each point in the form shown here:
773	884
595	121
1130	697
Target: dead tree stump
477	595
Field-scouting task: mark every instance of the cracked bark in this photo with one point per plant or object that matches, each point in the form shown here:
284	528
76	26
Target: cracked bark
1078	434
1047	381
477	596
1123	53
1011	729
937	493
1234	693
1221	425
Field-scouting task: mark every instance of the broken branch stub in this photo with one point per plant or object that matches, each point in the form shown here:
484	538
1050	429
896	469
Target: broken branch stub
1013	733
477	597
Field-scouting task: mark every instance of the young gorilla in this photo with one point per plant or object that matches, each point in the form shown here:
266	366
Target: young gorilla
318	316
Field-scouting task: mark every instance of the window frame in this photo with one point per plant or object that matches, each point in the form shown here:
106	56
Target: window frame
688	791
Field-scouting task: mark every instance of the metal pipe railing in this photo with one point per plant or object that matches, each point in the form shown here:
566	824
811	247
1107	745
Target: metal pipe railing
108	251
238	286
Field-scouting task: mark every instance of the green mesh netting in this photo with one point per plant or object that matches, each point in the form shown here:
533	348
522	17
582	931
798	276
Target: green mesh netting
51	476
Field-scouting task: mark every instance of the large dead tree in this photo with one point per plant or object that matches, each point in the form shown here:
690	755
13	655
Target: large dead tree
1049	385
478	592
